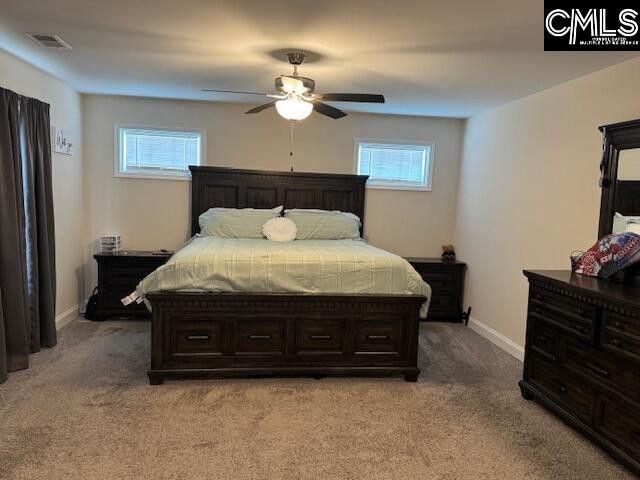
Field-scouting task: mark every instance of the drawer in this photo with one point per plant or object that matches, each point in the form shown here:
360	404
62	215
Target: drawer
195	337
575	395
436	276
130	269
545	340
134	261
571	316
620	343
442	284
318	335
621	377
619	424
617	323
263	336
378	337
444	287
115	275
116	292
443	303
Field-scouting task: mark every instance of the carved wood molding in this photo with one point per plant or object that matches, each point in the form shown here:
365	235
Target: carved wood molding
285	306
221	172
584	297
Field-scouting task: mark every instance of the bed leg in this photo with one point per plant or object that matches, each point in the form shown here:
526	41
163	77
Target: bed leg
155	380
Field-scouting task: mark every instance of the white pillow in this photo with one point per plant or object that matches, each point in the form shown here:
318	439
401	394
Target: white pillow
622	223
280	229
324	224
236	222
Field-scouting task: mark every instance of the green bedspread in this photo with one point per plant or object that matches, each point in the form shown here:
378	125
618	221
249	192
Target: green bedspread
302	266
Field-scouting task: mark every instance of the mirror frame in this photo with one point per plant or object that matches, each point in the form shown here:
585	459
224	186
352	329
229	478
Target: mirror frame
615	138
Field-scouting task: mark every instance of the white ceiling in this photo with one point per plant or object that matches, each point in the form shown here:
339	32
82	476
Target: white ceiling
428	57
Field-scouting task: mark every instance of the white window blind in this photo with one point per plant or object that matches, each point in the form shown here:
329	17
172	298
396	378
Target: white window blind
395	165
154	152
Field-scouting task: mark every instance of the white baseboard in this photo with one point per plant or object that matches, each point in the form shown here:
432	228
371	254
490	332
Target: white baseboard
506	344
64	318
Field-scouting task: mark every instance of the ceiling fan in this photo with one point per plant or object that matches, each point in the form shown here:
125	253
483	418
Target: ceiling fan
296	96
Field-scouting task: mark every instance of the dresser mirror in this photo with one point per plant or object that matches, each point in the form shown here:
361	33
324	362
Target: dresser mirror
620	180
626	217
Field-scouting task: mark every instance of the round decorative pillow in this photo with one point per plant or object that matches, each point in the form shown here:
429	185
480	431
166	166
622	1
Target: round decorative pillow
280	229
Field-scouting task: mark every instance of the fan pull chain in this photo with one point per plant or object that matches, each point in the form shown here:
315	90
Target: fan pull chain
292	125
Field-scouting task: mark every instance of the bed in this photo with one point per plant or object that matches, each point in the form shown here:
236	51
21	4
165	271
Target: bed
216	314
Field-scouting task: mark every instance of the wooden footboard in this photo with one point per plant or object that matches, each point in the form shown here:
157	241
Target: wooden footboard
220	334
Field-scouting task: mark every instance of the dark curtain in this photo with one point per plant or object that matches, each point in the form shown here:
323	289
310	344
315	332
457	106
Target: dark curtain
27	249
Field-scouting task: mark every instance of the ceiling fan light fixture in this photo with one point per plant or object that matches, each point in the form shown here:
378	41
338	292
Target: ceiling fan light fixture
293	85
294	108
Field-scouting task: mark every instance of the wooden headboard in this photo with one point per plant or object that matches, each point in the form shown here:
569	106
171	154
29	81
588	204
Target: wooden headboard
233	188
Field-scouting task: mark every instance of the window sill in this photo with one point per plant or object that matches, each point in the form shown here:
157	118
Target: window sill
151	176
399	187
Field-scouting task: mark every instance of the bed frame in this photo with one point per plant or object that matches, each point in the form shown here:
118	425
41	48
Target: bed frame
245	334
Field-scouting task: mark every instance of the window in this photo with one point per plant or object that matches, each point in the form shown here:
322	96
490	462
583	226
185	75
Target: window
157	153
395	165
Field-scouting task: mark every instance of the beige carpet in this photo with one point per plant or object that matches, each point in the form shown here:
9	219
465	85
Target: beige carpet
85	411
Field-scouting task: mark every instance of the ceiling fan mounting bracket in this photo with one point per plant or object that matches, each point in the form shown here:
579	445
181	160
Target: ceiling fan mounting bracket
296	58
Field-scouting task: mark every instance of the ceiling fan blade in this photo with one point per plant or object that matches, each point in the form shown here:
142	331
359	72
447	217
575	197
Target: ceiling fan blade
351	97
260	108
231	91
328	110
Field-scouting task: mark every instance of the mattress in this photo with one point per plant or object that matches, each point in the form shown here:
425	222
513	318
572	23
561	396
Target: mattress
317	267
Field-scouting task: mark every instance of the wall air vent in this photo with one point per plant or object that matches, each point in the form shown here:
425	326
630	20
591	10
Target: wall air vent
49	40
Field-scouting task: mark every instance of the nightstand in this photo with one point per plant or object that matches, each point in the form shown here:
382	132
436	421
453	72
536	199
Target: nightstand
446	278
118	275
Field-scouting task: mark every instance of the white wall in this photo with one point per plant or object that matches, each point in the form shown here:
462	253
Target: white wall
67	177
152	214
528	192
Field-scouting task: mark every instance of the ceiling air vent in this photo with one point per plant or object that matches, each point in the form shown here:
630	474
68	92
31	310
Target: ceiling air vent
49	40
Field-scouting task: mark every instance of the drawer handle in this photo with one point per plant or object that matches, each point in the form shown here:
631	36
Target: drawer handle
579	327
619	325
319	337
598	369
561	386
260	337
378	337
543	338
197	337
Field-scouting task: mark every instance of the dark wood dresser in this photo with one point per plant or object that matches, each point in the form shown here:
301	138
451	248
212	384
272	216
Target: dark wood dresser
446	278
118	275
582	357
